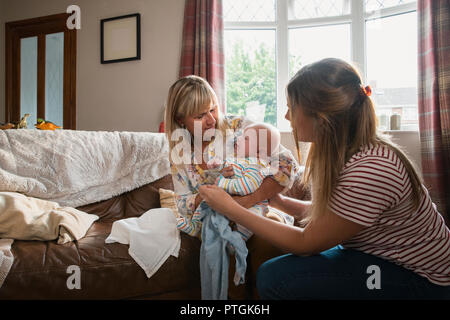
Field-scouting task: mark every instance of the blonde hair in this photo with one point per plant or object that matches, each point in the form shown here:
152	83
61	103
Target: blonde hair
188	96
330	91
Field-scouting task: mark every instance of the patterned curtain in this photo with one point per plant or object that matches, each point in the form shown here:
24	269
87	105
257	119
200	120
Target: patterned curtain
202	50
434	99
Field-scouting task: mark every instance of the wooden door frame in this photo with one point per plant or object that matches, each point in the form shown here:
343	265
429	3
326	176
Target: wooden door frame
16	30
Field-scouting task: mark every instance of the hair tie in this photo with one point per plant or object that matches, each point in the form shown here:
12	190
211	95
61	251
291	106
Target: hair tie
367	91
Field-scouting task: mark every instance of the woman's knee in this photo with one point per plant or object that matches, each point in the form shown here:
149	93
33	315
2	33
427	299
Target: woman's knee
270	277
265	280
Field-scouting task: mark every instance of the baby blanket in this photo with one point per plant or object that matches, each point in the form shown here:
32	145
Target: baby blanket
152	237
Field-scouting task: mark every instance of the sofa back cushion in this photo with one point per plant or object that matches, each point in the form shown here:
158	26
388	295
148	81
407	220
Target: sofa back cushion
130	204
134	203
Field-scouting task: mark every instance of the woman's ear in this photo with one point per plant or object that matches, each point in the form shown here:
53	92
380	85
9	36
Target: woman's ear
319	119
320	122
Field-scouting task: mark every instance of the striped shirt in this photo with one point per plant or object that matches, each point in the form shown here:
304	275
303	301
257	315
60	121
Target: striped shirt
248	176
374	190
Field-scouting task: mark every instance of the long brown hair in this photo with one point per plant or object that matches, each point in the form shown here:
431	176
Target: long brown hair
331	92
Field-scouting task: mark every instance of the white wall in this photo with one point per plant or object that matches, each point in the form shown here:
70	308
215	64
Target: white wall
125	96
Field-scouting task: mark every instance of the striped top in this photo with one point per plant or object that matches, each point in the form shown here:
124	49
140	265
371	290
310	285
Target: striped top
374	190
248	176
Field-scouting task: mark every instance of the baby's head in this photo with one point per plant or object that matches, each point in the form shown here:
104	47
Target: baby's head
260	140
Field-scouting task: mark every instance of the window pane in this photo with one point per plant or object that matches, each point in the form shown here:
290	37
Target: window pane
372	5
28	79
392	68
54	71
251	74
305	9
249	10
304	47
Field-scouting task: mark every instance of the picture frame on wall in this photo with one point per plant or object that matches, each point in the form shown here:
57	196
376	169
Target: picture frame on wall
120	38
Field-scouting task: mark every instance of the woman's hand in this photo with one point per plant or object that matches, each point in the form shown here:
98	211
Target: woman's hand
217	199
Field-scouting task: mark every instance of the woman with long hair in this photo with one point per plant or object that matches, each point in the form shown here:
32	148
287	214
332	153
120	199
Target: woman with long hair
370	230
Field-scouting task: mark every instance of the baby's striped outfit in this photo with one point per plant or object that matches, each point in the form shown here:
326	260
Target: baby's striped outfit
249	174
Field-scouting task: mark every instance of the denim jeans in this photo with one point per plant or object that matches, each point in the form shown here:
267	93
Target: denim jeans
339	274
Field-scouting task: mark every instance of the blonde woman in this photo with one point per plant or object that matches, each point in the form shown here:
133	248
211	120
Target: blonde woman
371	230
197	133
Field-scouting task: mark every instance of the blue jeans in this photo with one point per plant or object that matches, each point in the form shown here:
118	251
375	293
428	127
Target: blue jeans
340	273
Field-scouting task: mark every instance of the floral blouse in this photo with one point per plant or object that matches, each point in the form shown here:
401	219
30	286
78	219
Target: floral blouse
188	178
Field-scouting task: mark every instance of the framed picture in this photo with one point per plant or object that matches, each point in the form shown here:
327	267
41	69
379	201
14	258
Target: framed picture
120	38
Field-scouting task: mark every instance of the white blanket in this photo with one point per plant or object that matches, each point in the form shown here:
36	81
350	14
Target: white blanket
152	237
6	258
75	168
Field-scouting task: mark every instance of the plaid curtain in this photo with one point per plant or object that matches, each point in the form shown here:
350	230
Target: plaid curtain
202	50
434	95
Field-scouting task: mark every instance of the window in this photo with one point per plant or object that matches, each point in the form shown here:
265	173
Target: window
391	67
267	41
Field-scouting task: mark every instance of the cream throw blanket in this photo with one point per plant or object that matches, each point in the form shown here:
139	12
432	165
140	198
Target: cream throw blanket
26	218
75	168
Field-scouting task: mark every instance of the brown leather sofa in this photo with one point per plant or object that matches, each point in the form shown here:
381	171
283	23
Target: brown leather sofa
40	269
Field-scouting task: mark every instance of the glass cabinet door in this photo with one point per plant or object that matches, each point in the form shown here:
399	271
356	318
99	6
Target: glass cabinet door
52	108
54	77
28	79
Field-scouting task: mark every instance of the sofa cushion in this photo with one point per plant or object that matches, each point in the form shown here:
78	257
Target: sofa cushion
130	204
167	199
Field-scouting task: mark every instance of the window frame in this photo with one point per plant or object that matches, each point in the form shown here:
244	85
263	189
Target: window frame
357	20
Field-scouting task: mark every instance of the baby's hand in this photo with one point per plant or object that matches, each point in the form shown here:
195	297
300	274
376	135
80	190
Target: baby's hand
214	163
227	172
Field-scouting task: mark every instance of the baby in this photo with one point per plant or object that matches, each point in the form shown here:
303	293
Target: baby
254	147
257	144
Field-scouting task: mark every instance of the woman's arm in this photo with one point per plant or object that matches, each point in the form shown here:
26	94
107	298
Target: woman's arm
187	199
291	206
284	177
269	187
320	234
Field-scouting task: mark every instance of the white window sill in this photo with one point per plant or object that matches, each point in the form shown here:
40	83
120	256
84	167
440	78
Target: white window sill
400	131
384	131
